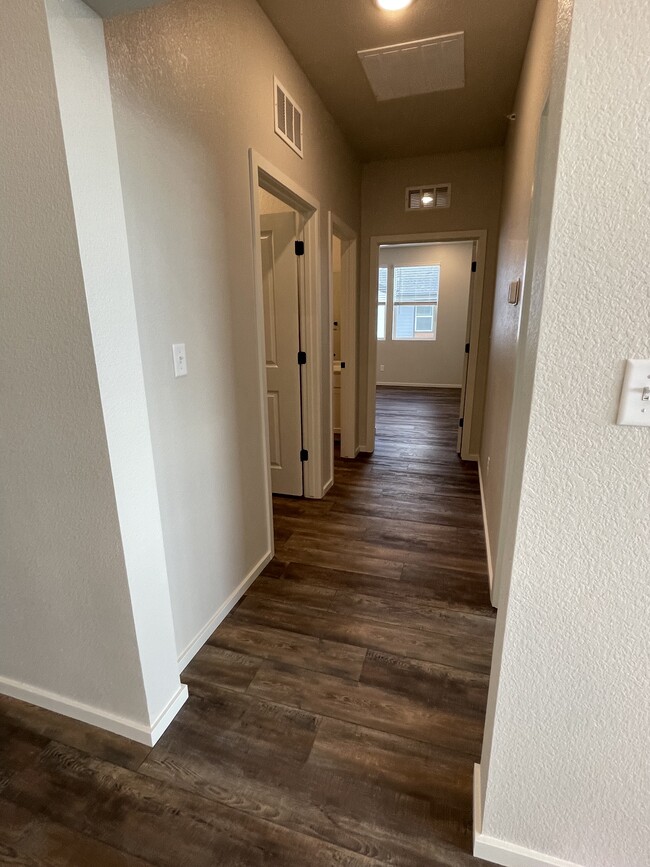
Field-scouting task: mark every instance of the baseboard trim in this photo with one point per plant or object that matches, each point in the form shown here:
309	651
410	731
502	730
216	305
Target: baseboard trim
93	716
328	485
501	851
487	535
222	611
422	384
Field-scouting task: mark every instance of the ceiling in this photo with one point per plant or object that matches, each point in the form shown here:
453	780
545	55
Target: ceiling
325	35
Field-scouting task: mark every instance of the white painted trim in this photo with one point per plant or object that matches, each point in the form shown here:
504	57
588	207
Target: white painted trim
93	716
479	236
487	532
474	458
422	384
328	485
501	851
222	611
266	175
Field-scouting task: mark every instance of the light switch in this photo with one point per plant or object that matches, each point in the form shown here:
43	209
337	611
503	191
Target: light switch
180	359
634	407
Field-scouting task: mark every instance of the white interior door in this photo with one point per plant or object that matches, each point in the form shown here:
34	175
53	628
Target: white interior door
463	393
282	337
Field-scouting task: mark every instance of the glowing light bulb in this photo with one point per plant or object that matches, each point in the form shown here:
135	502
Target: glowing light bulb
393	5
427	198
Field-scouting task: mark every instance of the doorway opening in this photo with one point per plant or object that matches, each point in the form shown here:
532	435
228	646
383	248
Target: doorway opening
343	349
288	315
425	310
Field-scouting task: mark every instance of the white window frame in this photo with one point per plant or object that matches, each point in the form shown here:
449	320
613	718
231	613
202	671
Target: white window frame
383	304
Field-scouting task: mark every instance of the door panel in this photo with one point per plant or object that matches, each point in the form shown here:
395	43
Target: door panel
282	339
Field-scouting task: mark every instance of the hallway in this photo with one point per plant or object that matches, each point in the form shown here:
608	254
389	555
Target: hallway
334	717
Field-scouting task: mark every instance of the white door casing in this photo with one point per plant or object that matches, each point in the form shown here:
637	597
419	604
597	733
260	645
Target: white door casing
282	344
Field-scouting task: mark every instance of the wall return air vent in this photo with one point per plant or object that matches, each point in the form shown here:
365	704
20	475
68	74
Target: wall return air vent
428	198
288	117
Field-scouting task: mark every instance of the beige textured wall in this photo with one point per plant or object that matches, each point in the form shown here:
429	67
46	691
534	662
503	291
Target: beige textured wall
476	178
521	149
439	361
568	758
192	85
66	624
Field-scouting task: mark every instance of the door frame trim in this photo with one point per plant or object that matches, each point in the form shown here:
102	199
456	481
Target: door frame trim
349	306
264	174
479	236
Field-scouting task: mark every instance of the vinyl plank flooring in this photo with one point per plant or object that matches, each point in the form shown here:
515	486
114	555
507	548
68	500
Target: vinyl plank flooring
334	716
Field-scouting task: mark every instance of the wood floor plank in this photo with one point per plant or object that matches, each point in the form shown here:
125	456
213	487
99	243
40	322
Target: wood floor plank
161	823
284	646
54	726
370	706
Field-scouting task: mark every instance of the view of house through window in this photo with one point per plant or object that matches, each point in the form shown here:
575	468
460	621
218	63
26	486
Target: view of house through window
408	302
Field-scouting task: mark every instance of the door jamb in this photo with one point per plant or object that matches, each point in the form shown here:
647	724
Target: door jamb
476	305
349	293
264	174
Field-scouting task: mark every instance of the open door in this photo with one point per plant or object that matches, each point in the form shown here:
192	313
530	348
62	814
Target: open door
282	340
463	391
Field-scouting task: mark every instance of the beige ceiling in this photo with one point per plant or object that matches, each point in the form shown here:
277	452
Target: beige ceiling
325	35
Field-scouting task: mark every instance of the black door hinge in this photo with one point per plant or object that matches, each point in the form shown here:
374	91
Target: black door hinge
300	248
461	422
302	357
473	267
467	347
304	455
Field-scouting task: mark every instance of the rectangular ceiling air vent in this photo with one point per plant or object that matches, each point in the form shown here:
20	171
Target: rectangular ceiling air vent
288	117
426	198
411	68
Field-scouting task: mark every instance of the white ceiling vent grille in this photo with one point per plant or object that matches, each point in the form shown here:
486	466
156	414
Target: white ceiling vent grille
288	117
410	68
427	198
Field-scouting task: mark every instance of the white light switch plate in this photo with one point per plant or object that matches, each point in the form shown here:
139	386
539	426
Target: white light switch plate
634	407
180	359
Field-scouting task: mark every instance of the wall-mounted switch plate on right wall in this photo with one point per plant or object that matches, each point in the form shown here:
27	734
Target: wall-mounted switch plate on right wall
634	407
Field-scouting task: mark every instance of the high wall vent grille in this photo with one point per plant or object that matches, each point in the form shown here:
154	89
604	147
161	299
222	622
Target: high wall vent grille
288	118
428	198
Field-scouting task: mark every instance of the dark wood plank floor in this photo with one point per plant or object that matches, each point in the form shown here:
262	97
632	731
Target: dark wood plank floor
334	717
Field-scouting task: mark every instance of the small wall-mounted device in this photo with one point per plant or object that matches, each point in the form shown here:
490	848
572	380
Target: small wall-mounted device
514	291
634	407
180	359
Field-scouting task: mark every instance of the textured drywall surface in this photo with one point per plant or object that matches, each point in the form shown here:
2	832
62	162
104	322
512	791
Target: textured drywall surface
438	361
569	772
65	612
192	86
521	149
81	72
475	178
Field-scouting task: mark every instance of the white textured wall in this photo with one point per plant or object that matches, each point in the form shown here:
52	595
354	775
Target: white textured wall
81	72
66	625
568	765
192	86
439	361
475	178
521	150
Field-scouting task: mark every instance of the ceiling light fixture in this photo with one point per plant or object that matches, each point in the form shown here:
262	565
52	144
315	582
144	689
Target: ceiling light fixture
427	198
393	5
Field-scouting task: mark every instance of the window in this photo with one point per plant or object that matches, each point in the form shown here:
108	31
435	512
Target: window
415	302
382	300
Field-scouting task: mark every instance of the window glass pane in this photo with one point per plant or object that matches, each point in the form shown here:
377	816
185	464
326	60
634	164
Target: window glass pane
416	283
424	323
381	322
383	285
403	322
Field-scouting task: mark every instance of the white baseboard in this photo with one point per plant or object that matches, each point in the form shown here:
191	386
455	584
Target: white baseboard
222	611
328	485
474	458
501	851
85	713
422	384
487	534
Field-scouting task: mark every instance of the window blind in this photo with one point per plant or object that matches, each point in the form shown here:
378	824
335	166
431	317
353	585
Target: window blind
416	284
